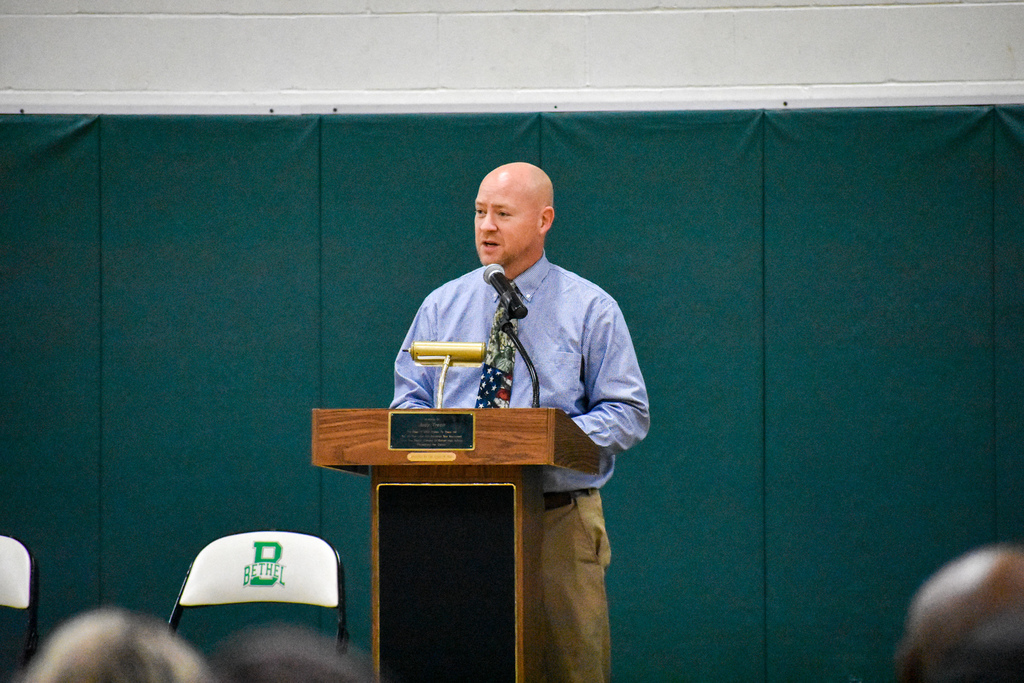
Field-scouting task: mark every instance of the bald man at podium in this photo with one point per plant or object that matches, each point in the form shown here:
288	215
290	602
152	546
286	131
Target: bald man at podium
586	366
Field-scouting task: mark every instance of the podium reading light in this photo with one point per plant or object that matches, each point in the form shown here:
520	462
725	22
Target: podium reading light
447	354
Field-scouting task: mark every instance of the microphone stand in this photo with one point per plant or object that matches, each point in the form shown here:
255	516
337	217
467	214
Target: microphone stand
506	326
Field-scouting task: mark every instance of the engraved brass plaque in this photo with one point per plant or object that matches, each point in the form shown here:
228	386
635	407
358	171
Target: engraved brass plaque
426	431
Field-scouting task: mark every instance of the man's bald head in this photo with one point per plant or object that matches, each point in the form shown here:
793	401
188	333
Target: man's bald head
513	215
532	180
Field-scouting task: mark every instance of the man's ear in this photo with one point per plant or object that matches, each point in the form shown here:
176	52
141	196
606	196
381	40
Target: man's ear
547	217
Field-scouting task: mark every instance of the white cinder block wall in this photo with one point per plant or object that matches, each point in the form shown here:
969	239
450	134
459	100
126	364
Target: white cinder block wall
315	56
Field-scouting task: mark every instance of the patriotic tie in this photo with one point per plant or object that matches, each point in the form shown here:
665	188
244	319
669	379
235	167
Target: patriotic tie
496	380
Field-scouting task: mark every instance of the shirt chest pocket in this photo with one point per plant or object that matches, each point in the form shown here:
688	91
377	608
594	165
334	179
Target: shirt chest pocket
561	373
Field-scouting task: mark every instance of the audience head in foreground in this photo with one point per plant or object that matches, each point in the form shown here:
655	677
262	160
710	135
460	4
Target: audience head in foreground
966	622
284	654
111	645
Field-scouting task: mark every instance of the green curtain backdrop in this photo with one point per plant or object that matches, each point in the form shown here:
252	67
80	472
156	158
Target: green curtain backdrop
1009	320
50	359
828	307
878	372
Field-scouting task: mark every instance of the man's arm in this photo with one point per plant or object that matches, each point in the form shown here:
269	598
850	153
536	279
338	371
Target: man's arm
618	414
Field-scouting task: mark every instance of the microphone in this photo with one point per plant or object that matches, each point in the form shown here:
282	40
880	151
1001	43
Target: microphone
494	275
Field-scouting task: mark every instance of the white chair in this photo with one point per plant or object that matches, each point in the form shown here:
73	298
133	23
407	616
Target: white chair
19	588
266	566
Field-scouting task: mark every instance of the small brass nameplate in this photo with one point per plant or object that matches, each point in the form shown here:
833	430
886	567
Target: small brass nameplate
419	430
432	456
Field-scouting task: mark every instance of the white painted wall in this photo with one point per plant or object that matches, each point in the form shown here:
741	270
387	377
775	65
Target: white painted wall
317	56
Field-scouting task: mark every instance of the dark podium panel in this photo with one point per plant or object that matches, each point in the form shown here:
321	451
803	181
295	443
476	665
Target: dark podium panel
447	574
456	531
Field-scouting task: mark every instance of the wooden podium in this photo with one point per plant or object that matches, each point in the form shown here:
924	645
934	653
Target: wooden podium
457	513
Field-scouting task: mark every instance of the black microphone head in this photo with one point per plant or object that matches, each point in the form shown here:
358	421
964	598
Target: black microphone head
490	270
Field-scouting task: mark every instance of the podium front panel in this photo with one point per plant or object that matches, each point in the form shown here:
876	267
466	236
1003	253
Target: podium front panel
447	581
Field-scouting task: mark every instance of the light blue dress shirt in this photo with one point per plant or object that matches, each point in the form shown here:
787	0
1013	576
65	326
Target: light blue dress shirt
578	341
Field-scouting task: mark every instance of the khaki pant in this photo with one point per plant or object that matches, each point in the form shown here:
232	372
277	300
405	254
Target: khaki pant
575	554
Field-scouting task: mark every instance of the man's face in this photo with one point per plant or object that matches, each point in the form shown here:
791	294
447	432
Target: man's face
511	222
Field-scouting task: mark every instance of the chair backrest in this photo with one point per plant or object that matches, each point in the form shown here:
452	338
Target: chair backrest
19	587
265	566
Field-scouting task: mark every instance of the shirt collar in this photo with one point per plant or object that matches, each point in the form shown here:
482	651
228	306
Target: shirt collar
529	280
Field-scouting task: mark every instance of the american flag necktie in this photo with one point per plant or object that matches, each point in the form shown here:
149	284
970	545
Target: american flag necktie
496	379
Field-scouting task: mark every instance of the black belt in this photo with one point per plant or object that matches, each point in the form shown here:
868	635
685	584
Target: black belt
559	499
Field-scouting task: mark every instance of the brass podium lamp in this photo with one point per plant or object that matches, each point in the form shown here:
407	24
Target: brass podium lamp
447	354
